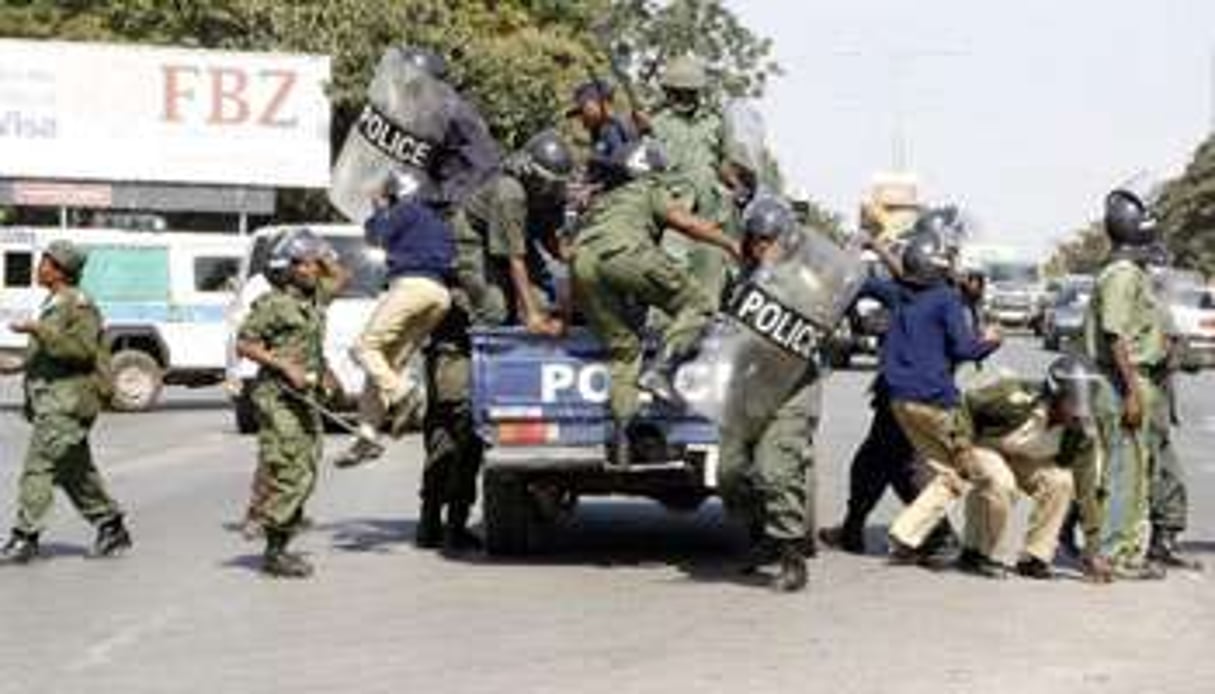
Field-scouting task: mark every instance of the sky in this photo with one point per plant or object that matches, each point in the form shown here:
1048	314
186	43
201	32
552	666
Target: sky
1023	112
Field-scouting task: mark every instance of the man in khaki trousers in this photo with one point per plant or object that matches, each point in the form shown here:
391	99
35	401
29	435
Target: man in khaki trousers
420	249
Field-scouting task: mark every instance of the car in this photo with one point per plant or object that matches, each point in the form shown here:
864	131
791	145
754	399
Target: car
345	320
1192	310
162	296
1063	320
1013	293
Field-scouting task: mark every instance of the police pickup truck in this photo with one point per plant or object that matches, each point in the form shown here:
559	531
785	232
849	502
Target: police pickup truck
541	407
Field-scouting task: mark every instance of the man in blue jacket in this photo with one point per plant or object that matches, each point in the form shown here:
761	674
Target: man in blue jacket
929	335
420	250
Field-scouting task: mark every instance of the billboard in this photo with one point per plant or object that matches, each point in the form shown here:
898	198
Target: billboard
136	113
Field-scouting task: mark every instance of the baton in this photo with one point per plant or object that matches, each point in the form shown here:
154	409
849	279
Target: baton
326	413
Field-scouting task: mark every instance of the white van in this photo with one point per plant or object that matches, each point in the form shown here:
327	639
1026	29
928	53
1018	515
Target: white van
345	320
162	296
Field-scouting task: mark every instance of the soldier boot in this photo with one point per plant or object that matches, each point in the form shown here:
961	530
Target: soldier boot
429	534
112	539
278	563
1166	550
21	548
457	538
792	575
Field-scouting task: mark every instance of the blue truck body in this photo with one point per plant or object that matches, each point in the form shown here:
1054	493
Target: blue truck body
541	407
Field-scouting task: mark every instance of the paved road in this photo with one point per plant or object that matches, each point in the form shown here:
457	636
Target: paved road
633	599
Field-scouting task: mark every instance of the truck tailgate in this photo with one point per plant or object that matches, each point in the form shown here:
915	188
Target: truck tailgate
537	391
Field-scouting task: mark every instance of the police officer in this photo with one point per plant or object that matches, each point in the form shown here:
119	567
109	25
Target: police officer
501	278
1169	497
693	133
1125	335
284	334
766	463
1036	436
619	271
66	372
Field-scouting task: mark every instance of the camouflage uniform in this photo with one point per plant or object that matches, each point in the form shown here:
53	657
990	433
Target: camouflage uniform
766	473
64	382
619	271
1169	498
695	144
1124	308
291	324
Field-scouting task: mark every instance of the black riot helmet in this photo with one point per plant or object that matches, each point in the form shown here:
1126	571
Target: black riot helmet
1073	384
769	218
927	259
426	60
549	157
1128	222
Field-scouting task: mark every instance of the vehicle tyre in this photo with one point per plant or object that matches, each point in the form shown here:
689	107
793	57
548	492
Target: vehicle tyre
242	409
510	520
137	381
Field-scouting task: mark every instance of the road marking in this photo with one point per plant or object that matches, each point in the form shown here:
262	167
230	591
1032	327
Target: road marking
101	652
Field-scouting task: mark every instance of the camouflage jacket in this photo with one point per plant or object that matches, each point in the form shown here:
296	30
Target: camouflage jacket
66	362
291	325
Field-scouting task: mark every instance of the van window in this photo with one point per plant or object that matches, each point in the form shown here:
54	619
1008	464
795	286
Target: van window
215	273
18	269
127	274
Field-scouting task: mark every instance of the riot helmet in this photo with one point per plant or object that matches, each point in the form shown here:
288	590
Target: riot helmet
1128	223
425	60
291	248
769	218
1071	386
927	259
549	157
642	158
68	257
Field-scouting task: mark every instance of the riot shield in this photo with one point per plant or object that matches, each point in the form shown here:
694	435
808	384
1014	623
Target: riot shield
401	129
744	135
764	344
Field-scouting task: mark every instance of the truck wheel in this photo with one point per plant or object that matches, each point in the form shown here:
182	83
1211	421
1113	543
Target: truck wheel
242	409
137	381
508	513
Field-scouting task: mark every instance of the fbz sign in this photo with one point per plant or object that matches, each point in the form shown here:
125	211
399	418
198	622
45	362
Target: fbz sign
133	113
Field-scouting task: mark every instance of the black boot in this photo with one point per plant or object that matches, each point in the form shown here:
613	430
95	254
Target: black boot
457	538
975	563
792	576
1166	551
763	552
279	563
112	539
1067	534
21	548
429	534
844	537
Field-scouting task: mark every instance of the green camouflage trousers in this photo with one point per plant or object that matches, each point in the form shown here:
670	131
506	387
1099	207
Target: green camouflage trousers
1126	476
614	289
453	449
59	454
766	472
288	453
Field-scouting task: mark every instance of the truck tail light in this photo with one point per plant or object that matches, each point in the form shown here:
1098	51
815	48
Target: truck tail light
527	433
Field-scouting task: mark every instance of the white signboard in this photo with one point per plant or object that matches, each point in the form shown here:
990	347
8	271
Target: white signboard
133	113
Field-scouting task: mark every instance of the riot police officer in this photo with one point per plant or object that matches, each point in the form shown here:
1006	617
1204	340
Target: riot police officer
1125	336
619	271
503	232
766	461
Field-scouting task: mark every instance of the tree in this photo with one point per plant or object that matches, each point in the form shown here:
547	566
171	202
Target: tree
1083	252
1186	209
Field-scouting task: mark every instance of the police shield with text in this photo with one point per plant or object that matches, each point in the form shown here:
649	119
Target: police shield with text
416	126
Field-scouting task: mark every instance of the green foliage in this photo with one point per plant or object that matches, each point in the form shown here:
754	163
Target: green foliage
1083	252
1187	211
